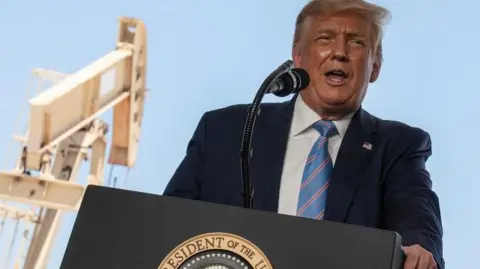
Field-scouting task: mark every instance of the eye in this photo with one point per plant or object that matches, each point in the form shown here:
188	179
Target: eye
358	42
324	39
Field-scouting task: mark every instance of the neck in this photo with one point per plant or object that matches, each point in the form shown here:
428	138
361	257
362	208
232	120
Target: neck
333	114
330	113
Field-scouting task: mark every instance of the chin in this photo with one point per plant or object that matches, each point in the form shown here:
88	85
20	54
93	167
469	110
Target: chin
335	105
334	99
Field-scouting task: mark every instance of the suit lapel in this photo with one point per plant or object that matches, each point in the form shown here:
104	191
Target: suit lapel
354	156
269	143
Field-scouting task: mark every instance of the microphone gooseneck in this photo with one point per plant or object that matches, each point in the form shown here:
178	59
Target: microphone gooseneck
281	82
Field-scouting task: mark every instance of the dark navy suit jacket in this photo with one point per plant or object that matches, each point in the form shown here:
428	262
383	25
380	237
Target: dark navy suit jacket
386	187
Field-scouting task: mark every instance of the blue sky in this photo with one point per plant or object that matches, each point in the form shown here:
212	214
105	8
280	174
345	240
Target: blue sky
209	54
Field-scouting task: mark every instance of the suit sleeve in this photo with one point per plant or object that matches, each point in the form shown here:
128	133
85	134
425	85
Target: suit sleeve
411	207
186	180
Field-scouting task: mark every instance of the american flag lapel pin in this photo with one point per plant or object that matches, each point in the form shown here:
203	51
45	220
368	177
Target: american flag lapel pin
367	146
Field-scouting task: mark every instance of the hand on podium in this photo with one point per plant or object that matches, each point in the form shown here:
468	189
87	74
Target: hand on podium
418	258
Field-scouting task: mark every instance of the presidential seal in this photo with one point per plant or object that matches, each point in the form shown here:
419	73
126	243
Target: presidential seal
216	251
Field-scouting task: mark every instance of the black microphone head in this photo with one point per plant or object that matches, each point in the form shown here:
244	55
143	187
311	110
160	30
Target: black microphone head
302	77
294	80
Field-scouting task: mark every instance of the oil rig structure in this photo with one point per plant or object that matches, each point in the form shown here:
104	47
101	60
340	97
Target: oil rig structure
64	131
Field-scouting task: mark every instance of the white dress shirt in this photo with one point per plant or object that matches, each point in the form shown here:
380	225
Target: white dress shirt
300	141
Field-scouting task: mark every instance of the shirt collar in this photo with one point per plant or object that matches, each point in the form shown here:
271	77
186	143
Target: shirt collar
304	117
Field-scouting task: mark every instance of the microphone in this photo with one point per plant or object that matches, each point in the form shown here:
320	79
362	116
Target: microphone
292	81
282	81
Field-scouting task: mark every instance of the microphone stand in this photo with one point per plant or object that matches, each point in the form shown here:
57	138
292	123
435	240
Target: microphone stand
246	150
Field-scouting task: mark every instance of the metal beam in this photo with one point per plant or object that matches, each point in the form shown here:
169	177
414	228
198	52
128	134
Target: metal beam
43	192
70	154
42	240
18	213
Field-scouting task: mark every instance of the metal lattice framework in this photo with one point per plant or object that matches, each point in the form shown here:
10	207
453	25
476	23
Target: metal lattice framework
65	130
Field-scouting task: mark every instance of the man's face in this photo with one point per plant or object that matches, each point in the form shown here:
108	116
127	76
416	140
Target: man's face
337	53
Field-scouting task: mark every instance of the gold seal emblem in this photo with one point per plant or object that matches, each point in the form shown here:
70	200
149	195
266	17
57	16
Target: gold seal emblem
216	250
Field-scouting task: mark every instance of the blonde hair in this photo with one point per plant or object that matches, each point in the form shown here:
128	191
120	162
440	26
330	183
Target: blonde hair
378	15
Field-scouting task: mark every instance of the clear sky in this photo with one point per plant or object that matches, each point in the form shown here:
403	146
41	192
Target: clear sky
208	54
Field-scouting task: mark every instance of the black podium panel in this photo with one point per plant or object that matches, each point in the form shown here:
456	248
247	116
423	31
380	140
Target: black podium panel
121	229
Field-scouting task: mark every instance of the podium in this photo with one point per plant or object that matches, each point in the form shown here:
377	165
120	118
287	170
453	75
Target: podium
120	229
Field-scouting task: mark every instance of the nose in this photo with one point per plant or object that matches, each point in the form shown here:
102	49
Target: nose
341	57
339	51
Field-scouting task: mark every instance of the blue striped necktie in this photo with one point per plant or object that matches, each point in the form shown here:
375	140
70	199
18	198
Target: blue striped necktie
316	175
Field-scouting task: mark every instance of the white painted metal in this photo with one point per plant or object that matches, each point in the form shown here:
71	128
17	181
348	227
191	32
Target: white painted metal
64	130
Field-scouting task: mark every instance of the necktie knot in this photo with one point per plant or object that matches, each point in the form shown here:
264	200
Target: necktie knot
326	128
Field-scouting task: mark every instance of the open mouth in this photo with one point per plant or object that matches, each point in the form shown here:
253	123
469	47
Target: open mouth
336	77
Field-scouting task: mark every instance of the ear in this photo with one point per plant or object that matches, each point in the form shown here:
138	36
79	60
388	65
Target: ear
296	57
375	72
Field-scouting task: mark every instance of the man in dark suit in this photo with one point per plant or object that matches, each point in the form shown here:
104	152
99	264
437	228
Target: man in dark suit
321	155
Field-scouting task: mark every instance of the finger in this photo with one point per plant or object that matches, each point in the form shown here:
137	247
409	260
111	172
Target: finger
424	261
433	263
412	260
